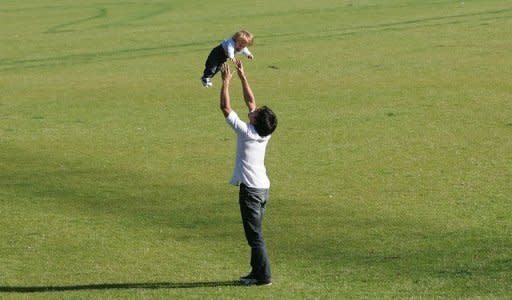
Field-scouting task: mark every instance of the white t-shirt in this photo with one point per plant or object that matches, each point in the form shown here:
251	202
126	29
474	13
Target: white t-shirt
250	154
229	48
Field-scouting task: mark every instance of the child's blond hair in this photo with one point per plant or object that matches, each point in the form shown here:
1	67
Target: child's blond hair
244	35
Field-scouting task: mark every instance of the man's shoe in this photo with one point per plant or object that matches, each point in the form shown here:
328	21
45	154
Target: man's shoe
264	283
247	277
254	281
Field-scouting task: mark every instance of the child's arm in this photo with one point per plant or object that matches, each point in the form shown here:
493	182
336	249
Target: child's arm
247	53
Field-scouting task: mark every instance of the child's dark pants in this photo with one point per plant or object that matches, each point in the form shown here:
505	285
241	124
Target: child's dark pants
214	61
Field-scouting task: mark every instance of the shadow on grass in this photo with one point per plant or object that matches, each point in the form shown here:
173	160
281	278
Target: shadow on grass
110	286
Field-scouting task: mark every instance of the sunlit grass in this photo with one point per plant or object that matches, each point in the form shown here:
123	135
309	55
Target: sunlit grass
390	168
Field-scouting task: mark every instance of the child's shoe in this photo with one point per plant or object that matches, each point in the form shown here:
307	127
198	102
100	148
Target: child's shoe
207	82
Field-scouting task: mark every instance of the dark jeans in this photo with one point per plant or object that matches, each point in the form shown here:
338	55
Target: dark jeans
252	207
214	61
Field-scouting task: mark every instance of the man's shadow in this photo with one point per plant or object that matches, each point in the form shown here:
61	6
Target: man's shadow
113	286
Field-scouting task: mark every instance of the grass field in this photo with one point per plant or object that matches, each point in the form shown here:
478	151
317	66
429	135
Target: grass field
391	167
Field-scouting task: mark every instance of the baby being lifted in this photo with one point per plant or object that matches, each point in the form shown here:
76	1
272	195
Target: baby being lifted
226	50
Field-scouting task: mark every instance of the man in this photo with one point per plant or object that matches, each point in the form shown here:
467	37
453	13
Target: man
250	172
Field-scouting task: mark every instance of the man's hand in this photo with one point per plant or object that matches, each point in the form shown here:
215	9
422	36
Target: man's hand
226	73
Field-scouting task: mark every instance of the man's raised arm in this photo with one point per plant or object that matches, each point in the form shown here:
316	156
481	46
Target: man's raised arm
225	102
249	99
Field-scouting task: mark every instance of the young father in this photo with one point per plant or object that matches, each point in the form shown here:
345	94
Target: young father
249	172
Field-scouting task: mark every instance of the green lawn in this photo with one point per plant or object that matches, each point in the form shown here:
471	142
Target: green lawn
391	167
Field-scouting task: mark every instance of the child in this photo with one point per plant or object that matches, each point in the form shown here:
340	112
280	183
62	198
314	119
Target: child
227	49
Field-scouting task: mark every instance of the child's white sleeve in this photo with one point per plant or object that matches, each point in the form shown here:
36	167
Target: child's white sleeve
245	51
229	48
230	52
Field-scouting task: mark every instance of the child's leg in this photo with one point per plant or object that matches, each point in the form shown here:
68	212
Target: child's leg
214	60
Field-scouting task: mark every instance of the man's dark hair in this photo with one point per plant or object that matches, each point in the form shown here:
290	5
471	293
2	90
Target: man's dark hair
266	121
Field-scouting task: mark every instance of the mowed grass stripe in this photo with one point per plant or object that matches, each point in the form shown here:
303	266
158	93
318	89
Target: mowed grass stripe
102	56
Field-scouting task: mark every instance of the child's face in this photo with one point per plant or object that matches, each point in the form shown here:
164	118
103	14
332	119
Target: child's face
240	44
